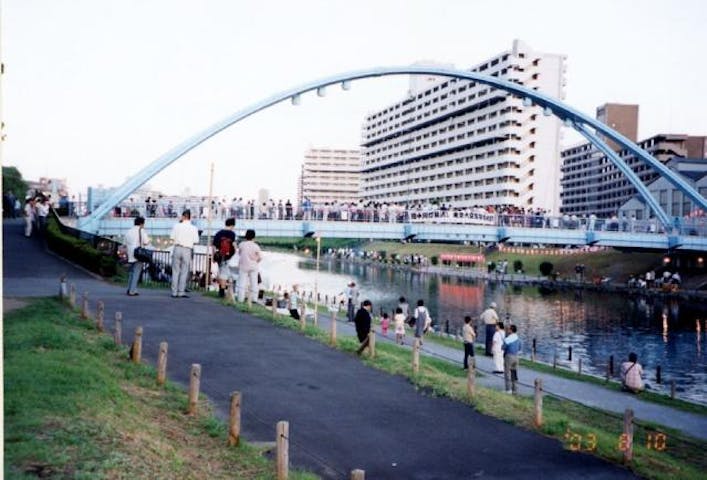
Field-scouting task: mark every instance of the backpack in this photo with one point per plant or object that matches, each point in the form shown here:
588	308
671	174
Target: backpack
225	250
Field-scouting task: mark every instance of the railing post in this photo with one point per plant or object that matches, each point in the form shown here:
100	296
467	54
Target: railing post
100	314
282	441
372	344
416	356
533	352
136	350
162	364
118	333
332	338
626	442
194	383
358	474
471	379
84	306
72	296
234	422
538	403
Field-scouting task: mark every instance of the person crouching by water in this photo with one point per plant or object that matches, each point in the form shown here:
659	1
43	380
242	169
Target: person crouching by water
469	337
631	374
363	324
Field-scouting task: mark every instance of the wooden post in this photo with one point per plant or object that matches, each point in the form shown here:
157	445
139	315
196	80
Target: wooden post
303	316
194	383
471	379
626	443
282	441
136	351
580	367
533	352
64	291
118	334
570	354
372	344
72	296
234	421
273	307
554	360
416	356
250	301
358	474
162	364
611	365
100	314
84	306
538	403
672	389
658	376
608	372
333	327
230	294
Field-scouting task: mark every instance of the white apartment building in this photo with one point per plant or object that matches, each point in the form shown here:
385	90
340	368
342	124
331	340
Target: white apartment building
466	144
330	175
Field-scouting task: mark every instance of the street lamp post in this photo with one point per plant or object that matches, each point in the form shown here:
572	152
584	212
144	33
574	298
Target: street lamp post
316	280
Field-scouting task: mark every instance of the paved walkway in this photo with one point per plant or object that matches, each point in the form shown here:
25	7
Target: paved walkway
342	414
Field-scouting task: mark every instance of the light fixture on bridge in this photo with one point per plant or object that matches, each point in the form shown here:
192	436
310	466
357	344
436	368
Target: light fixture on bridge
527	102
321	91
295	99
568	122
346	85
547	111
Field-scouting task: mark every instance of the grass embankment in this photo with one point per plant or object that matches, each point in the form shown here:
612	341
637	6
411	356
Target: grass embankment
75	407
608	263
659	452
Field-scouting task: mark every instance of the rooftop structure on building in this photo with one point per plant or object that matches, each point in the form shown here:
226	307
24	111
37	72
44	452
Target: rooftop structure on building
330	175
466	144
592	184
671	199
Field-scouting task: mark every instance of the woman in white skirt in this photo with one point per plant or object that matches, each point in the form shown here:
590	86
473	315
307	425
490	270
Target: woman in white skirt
496	350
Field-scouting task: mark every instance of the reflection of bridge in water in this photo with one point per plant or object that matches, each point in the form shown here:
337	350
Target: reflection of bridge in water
689	235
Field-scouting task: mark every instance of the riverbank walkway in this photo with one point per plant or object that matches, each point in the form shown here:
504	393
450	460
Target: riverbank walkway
343	415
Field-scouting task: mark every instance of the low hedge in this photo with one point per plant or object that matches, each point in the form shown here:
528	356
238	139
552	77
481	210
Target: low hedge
79	251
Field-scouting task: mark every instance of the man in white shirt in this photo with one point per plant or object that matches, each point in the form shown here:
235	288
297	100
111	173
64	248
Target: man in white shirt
135	237
248	260
185	236
490	318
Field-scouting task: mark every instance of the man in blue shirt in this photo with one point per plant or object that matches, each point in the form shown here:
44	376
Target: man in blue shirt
511	348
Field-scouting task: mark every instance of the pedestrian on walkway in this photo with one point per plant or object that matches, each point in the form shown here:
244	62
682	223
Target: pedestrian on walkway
399	322
185	236
29	216
385	323
224	244
352	295
135	237
511	349
631	374
497	348
363	324
490	318
422	320
294	302
249	258
405	307
469	337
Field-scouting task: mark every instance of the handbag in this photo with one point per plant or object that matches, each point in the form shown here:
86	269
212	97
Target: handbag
141	253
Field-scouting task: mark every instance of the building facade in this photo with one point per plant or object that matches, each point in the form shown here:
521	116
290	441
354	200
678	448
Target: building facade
330	175
466	144
591	183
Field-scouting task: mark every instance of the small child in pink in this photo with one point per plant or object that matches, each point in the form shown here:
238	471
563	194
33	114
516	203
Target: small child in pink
385	323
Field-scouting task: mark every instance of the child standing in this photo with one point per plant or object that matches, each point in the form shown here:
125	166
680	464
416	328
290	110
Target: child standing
399	323
385	323
469	337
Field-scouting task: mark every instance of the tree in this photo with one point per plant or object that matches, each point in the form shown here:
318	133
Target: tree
546	268
518	266
12	181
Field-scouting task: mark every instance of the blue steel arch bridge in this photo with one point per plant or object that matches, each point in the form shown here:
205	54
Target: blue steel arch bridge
671	235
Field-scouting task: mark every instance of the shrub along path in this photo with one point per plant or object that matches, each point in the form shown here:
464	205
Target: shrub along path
342	414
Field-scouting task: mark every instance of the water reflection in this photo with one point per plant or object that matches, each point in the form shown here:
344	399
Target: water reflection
596	325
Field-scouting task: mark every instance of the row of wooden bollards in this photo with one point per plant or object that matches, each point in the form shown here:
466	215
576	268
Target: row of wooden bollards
234	422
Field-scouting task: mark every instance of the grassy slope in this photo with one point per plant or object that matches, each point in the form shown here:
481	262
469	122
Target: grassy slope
76	408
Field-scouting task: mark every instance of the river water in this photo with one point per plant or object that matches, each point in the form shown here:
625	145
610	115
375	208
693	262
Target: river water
663	332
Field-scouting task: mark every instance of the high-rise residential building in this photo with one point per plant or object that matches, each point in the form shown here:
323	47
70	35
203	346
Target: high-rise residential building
592	184
330	175
466	144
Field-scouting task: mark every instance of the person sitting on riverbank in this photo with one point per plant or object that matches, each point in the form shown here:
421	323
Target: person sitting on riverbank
631	374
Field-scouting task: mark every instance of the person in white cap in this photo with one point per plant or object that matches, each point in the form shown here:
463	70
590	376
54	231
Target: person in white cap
352	298
490	319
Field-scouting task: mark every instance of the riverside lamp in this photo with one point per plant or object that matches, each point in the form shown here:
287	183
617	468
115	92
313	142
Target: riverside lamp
318	239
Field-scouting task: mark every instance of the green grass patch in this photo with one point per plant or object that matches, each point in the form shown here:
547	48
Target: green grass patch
75	407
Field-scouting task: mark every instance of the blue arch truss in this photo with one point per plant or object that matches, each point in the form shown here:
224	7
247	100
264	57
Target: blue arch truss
585	125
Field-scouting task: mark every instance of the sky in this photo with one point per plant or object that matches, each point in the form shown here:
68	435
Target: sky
94	90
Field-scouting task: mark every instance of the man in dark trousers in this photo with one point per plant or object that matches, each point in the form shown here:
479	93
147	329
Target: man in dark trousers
363	324
224	243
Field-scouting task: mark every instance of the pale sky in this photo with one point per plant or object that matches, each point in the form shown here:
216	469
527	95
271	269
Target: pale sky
96	89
